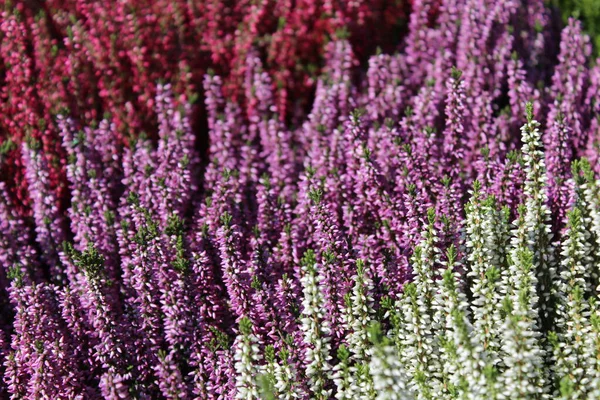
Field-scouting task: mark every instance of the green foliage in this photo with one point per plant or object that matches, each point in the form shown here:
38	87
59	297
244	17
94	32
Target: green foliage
90	261
588	11
16	275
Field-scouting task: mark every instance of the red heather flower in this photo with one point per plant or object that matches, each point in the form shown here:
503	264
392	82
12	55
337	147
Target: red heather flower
96	60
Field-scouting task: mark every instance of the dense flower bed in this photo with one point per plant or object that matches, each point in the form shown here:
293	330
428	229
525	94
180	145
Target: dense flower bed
418	235
96	59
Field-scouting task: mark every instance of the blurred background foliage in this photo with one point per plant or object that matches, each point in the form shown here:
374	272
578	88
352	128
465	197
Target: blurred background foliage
588	11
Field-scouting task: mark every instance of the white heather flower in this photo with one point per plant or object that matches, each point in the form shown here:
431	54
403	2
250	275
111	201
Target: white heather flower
359	313
286	380
537	213
390	380
495	344
279	377
343	376
572	325
524	375
419	350
351	378
315	329
246	358
592	347
485	234
462	357
588	190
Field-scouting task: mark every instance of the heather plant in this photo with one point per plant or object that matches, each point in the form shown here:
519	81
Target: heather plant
98	60
267	265
474	327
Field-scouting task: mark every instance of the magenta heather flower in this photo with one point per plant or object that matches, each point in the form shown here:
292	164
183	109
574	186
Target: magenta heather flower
235	268
558	157
176	158
568	81
49	221
16	243
91	177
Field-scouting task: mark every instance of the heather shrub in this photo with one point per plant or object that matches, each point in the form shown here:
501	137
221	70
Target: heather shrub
509	314
516	316
99	60
268	265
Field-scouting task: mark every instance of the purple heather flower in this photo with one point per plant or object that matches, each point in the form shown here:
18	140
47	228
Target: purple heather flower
49	221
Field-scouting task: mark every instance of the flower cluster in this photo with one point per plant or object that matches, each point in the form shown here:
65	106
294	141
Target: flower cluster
343	255
516	316
96	59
